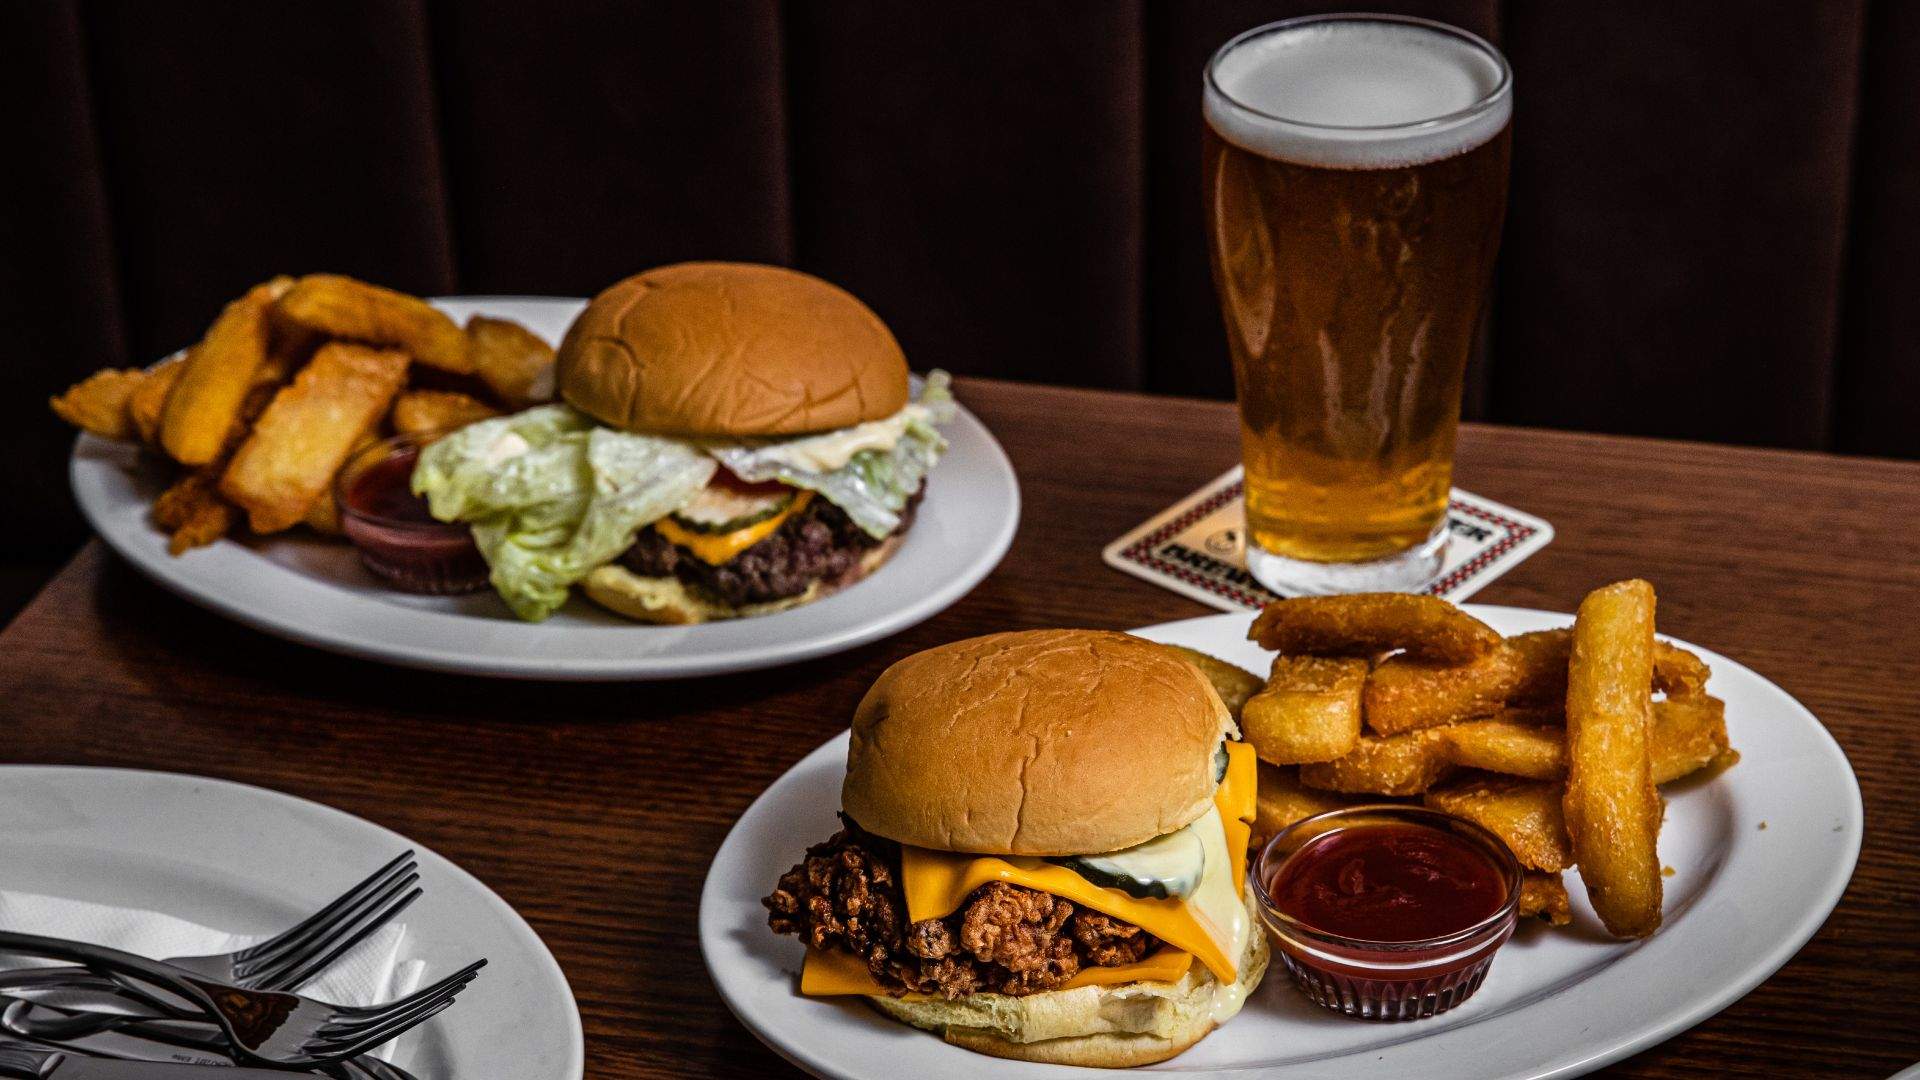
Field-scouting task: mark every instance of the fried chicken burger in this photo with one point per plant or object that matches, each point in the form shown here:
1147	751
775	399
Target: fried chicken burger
1043	852
734	439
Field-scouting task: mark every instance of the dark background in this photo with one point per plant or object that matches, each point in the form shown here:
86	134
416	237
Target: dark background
1714	228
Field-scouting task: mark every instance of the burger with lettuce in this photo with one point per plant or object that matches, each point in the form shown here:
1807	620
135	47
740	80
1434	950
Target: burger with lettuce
732	440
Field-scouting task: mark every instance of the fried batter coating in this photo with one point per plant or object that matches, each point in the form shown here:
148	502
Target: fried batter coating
345	307
192	512
1233	683
1280	800
1544	897
1400	765
1542	659
148	402
99	403
304	436
1309	710
1612	808
1370	624
512	360
1524	814
1405	694
206	401
422	412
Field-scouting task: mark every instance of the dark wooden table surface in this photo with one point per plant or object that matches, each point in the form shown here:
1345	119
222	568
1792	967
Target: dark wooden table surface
595	809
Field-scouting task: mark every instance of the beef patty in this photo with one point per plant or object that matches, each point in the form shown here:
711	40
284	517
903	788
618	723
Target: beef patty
1006	939
820	543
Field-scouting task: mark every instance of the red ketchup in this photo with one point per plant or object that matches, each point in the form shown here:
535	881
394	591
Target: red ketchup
1388	912
397	538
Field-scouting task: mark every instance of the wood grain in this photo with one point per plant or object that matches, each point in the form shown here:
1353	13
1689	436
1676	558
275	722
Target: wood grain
595	809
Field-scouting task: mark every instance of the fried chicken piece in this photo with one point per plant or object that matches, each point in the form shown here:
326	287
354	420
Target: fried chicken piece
1107	941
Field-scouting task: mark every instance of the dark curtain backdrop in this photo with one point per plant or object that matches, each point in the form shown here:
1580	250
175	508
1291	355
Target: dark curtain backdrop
1714	230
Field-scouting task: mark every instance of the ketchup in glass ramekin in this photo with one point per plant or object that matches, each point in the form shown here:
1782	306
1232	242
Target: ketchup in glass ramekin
1387	912
398	540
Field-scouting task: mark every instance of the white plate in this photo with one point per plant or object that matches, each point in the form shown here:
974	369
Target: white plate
315	591
1761	854
252	861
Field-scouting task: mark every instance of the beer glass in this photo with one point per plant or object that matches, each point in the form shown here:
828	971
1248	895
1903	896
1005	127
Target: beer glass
1356	177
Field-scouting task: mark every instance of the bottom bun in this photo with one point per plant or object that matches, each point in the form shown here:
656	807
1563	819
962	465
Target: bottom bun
670	600
1111	1027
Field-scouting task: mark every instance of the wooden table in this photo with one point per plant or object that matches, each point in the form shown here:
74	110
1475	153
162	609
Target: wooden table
594	809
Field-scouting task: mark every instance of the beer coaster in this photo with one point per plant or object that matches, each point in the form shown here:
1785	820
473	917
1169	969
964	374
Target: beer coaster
1198	546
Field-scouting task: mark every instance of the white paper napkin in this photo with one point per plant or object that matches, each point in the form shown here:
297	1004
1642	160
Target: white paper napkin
371	972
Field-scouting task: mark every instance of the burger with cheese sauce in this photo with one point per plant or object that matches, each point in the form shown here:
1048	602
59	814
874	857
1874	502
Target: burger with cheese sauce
1042	853
732	440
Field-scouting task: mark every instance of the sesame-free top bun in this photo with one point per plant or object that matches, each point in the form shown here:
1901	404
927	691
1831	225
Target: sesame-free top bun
1043	742
715	348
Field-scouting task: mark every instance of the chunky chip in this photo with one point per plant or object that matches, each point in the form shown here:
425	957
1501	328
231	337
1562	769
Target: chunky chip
1233	683
1612	808
1308	711
304	436
1541	658
344	307
211	389
1371	624
512	360
99	403
1405	694
425	412
148	402
1544	897
1281	800
1400	765
1525	814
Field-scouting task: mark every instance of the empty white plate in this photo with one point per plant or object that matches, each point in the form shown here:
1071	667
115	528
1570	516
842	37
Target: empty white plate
252	861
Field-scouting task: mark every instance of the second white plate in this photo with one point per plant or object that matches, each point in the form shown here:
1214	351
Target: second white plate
315	591
1761	853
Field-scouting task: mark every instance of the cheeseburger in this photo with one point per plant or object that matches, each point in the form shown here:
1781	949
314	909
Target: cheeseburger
1043	852
731	440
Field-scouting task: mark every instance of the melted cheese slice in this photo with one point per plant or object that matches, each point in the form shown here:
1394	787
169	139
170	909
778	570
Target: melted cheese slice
717	548
836	971
1211	925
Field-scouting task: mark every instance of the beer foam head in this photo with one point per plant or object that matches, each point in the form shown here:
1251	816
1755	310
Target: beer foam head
1357	92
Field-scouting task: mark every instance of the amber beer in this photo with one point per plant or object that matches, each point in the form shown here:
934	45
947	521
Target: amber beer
1356	177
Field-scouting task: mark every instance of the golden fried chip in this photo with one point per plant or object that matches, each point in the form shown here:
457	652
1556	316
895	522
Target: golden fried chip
148	402
1400	765
1233	683
344	307
304	436
205	402
1282	800
1612	808
1406	694
99	403
513	361
1369	624
1309	710
192	511
323	516
423	412
1689	734
1505	746
1544	896
1525	814
1542	660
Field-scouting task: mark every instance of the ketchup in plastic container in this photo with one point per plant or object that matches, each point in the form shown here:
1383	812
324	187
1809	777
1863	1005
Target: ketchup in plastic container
1388	912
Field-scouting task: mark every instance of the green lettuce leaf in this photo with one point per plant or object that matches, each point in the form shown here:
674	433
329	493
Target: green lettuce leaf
874	485
551	496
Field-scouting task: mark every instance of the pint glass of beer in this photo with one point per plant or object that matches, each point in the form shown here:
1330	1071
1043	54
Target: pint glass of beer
1356	177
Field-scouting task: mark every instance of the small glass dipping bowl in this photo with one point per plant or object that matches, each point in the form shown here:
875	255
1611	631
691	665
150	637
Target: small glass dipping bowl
1385	979
397	539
